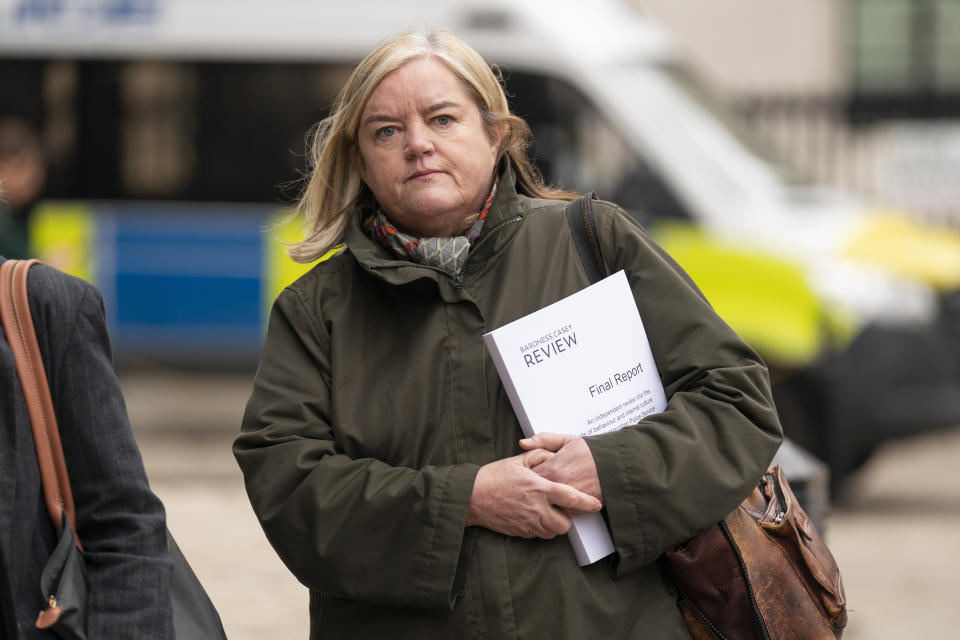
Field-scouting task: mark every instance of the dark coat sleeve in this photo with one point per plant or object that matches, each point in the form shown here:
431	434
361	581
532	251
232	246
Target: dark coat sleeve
120	522
328	515
677	472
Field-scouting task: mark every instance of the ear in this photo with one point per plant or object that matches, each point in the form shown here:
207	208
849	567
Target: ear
357	161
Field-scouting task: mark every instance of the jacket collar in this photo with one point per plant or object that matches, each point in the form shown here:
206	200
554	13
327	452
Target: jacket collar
501	221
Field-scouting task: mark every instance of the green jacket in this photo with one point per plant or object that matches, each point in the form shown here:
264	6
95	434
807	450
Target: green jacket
376	402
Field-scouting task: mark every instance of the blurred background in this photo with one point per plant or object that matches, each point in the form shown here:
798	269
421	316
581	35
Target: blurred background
800	160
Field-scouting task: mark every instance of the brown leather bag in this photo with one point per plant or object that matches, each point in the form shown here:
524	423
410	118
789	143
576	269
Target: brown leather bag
763	573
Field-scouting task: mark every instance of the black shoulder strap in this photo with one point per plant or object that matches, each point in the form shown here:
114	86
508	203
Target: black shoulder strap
583	226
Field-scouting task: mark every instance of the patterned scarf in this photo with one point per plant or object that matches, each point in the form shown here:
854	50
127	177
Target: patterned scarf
448	254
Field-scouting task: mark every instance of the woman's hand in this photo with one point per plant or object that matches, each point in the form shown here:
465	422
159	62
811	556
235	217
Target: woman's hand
572	463
511	499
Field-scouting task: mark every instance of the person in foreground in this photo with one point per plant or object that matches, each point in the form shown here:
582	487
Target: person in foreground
379	448
120	522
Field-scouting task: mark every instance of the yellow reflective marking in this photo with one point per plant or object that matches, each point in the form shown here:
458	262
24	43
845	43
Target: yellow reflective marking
765	299
280	269
908	248
62	234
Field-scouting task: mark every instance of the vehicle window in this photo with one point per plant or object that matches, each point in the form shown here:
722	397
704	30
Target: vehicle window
700	94
236	131
172	130
575	146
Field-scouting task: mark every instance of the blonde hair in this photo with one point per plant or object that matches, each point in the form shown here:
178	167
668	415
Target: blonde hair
333	189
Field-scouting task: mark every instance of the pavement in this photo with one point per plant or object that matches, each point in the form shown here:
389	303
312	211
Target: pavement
894	535
185	425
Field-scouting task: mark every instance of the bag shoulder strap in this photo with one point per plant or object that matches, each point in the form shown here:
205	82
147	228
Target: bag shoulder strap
22	337
583	226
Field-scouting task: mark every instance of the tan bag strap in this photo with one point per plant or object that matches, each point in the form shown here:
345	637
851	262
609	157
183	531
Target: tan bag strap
22	337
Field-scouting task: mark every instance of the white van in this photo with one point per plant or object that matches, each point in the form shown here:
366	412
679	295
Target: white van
177	119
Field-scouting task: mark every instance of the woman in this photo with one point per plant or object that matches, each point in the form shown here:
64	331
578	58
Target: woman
379	448
120	522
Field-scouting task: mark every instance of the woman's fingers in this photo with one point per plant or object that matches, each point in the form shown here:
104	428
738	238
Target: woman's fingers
565	496
537	456
546	440
511	499
572	465
552	524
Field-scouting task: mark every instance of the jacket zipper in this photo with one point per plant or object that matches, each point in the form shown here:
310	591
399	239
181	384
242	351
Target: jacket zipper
458	281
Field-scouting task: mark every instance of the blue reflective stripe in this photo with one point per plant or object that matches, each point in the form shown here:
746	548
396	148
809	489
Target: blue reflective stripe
190	300
186	279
